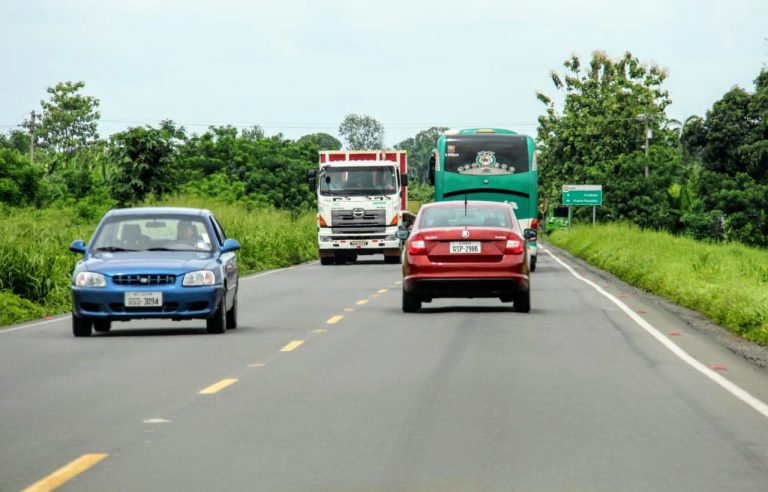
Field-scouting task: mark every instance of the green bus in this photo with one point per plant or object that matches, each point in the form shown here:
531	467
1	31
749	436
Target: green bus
490	164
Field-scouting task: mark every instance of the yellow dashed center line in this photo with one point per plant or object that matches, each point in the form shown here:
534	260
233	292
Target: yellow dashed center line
66	473
292	346
381	291
374	295
320	330
362	301
348	310
215	388
398	282
334	320
257	364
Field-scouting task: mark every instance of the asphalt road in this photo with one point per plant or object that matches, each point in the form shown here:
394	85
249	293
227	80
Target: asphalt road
464	395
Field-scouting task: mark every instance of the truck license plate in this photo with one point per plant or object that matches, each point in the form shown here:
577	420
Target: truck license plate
465	247
143	299
359	243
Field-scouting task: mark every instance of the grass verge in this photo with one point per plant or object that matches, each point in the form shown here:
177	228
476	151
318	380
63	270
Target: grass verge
728	283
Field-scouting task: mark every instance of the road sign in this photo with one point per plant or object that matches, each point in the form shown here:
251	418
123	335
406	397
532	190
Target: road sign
590	195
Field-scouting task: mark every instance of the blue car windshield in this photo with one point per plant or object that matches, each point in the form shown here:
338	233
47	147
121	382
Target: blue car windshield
153	233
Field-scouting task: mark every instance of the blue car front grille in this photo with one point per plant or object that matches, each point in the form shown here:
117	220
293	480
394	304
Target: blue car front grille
144	279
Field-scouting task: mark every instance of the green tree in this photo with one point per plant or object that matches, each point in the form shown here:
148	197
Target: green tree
419	148
69	121
145	160
362	132
607	106
322	141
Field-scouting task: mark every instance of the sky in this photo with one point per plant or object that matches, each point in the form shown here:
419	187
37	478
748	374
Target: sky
299	66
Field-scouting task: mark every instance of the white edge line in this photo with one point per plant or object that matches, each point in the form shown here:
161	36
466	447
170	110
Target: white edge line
65	316
729	386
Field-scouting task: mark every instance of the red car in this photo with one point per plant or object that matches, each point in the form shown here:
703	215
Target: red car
466	249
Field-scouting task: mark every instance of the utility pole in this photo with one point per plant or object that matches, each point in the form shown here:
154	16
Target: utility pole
647	138
32	136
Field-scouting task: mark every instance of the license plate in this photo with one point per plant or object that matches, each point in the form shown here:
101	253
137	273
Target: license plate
143	299
465	247
359	243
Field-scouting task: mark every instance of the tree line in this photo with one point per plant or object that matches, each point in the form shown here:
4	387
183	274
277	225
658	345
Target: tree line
706	177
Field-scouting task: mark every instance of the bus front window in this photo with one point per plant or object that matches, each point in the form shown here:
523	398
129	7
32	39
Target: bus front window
486	155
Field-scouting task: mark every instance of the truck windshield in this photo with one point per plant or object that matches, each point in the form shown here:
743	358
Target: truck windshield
358	180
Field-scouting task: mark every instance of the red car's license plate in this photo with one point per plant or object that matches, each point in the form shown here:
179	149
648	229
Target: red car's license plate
465	247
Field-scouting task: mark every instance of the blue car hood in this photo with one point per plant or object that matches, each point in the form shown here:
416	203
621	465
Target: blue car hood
173	262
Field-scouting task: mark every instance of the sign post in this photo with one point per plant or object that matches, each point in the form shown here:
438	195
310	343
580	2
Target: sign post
589	195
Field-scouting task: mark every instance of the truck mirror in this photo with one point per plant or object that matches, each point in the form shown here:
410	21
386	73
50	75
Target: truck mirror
311	173
432	176
530	234
402	234
404	179
312	181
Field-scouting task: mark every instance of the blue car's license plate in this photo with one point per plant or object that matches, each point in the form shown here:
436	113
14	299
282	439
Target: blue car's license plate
143	299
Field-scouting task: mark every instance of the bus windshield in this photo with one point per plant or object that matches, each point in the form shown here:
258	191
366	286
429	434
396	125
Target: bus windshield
490	154
358	180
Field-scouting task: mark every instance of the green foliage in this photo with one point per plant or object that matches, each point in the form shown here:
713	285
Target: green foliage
14	309
69	121
19	180
322	141
420	148
361	132
728	283
145	161
421	192
606	108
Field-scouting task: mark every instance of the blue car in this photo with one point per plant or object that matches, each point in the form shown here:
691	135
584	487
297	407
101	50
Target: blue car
163	262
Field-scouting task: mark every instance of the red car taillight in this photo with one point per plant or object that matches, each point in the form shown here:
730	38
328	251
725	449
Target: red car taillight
416	245
515	244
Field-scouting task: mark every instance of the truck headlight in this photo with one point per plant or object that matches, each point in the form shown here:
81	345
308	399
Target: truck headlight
90	279
198	278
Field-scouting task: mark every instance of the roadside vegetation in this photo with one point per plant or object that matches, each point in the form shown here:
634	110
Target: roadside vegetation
726	282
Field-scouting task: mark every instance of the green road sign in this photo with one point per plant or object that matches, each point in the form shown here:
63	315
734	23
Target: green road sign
589	195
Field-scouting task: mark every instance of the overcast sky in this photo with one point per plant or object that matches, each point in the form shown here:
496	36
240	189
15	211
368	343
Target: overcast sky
298	66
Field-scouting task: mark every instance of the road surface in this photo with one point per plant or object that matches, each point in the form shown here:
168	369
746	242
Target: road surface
327	385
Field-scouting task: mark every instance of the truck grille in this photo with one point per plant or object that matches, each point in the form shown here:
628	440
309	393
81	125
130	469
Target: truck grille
144	279
359	220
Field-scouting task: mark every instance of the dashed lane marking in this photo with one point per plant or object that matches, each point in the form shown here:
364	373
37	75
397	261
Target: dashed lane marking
292	346
215	388
334	320
381	291
362	301
66	473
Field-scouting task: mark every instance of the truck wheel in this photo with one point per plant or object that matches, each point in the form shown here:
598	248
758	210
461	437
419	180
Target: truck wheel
81	327
218	323
326	260
522	303
411	302
533	263
102	325
392	260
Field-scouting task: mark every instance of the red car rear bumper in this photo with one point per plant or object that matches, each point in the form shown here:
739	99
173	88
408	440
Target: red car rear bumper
493	279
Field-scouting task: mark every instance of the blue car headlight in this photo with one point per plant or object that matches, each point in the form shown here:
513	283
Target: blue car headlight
198	278
90	279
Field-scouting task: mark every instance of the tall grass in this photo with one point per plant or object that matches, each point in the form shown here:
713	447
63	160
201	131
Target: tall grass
728	283
36	264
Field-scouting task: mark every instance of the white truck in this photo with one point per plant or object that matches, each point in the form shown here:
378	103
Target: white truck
362	199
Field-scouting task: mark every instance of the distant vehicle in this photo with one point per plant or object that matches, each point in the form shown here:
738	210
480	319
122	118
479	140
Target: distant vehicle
466	249
164	262
557	218
490	164
362	197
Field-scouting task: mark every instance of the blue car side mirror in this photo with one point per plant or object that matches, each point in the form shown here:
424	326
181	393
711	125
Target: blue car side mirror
230	245
77	246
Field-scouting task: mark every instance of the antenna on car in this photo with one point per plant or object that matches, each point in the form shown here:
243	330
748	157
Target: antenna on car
465	204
